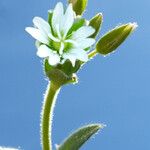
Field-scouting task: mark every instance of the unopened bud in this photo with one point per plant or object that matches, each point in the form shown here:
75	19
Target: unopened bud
79	6
96	23
114	38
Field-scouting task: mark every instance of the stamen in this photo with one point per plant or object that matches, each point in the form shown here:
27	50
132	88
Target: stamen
61	48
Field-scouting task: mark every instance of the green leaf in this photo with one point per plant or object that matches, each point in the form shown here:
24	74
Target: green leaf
79	137
79	6
113	39
96	23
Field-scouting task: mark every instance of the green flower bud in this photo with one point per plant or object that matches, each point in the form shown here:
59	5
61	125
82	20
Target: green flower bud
96	23
79	6
114	38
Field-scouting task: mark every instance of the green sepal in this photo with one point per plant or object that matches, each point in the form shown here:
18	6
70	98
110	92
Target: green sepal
47	66
60	78
114	38
79	22
61	74
50	14
68	69
79	6
96	23
79	137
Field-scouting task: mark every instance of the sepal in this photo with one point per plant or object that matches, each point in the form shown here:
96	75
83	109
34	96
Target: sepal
61	74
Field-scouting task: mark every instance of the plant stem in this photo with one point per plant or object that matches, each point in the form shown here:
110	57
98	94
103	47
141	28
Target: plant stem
92	54
47	115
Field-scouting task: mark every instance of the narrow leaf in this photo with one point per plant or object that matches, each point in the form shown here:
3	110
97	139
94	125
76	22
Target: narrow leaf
79	6
79	137
111	40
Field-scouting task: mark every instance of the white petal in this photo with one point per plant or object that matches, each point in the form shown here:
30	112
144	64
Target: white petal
80	54
85	43
41	24
68	20
38	35
75	54
70	57
43	51
37	44
53	57
57	15
83	32
58	31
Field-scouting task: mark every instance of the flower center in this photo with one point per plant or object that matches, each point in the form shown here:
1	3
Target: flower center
56	45
62	46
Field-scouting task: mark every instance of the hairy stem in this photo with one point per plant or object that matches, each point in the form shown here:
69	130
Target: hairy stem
92	54
47	115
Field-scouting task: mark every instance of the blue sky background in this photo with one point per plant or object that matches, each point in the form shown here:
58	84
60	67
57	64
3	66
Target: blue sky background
114	90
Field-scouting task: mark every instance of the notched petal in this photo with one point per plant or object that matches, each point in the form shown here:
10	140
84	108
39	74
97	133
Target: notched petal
76	54
58	14
43	51
37	34
68	20
85	43
83	32
41	24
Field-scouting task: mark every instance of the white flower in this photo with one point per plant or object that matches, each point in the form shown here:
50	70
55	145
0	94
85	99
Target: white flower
56	40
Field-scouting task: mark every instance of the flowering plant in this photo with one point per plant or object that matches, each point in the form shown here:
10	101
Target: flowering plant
64	37
66	42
